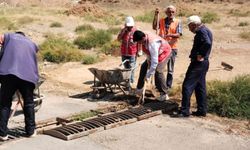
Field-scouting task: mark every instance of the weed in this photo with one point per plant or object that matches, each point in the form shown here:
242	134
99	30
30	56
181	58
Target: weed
241	24
59	50
6	24
56	25
210	17
230	99
114	30
82	116
146	17
92	39
90	59
83	28
245	35
112	48
239	13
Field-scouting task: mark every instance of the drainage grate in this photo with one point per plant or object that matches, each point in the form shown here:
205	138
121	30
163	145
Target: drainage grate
104	122
14	134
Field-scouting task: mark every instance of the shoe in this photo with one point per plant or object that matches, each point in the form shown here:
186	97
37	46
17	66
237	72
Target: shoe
163	97
4	138
32	135
198	114
179	115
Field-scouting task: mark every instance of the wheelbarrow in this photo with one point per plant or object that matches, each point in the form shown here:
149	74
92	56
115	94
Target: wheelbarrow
110	80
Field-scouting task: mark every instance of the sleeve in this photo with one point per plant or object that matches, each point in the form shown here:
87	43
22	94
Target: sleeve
206	43
153	50
179	28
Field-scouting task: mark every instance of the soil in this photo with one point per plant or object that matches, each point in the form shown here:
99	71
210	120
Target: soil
73	78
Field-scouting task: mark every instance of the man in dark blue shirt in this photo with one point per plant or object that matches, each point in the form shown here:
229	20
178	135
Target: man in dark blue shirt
195	79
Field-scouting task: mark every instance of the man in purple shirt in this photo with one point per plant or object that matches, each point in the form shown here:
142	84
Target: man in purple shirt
18	71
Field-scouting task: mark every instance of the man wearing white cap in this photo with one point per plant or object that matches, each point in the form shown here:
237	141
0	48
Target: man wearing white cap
170	29
128	46
195	79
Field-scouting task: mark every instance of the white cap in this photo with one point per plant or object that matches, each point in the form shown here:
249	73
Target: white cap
194	19
129	21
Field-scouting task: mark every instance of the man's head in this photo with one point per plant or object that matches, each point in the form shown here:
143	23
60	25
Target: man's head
138	36
193	23
170	11
129	23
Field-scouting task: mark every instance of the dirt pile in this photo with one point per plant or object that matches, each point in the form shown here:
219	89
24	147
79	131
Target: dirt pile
82	9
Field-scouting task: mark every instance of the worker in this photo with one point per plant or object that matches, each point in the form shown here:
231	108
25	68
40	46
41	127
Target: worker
18	71
128	46
170	28
195	79
158	52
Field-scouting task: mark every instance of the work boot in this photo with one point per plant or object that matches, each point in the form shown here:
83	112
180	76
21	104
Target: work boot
4	138
163	97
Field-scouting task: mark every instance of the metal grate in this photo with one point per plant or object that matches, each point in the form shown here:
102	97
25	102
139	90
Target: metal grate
104	122
14	134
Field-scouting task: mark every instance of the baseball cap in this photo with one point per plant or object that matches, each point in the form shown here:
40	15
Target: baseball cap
129	21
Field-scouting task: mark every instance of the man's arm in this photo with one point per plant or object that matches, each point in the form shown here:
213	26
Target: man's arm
153	50
1	39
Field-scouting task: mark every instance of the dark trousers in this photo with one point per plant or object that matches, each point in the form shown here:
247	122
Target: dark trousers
195	80
170	72
159	76
9	85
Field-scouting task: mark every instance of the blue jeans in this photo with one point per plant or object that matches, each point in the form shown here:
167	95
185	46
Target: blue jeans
130	64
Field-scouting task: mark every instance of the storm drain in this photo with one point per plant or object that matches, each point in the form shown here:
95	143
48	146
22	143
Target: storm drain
14	134
104	122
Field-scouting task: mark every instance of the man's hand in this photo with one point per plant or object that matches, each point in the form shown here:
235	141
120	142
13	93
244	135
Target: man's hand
200	58
157	10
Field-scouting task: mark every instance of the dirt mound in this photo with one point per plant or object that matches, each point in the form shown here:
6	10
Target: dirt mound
82	9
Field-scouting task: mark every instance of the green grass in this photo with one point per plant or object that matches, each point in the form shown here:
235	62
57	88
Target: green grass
92	39
112	48
83	28
90	59
85	115
59	50
56	25
230	99
114	30
210	17
147	17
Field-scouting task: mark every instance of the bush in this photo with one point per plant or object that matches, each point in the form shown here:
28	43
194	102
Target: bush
210	17
245	35
59	50
112	48
82	28
55	25
90	59
230	99
241	24
93	39
146	17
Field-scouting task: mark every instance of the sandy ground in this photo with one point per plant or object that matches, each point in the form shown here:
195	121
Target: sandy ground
161	132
